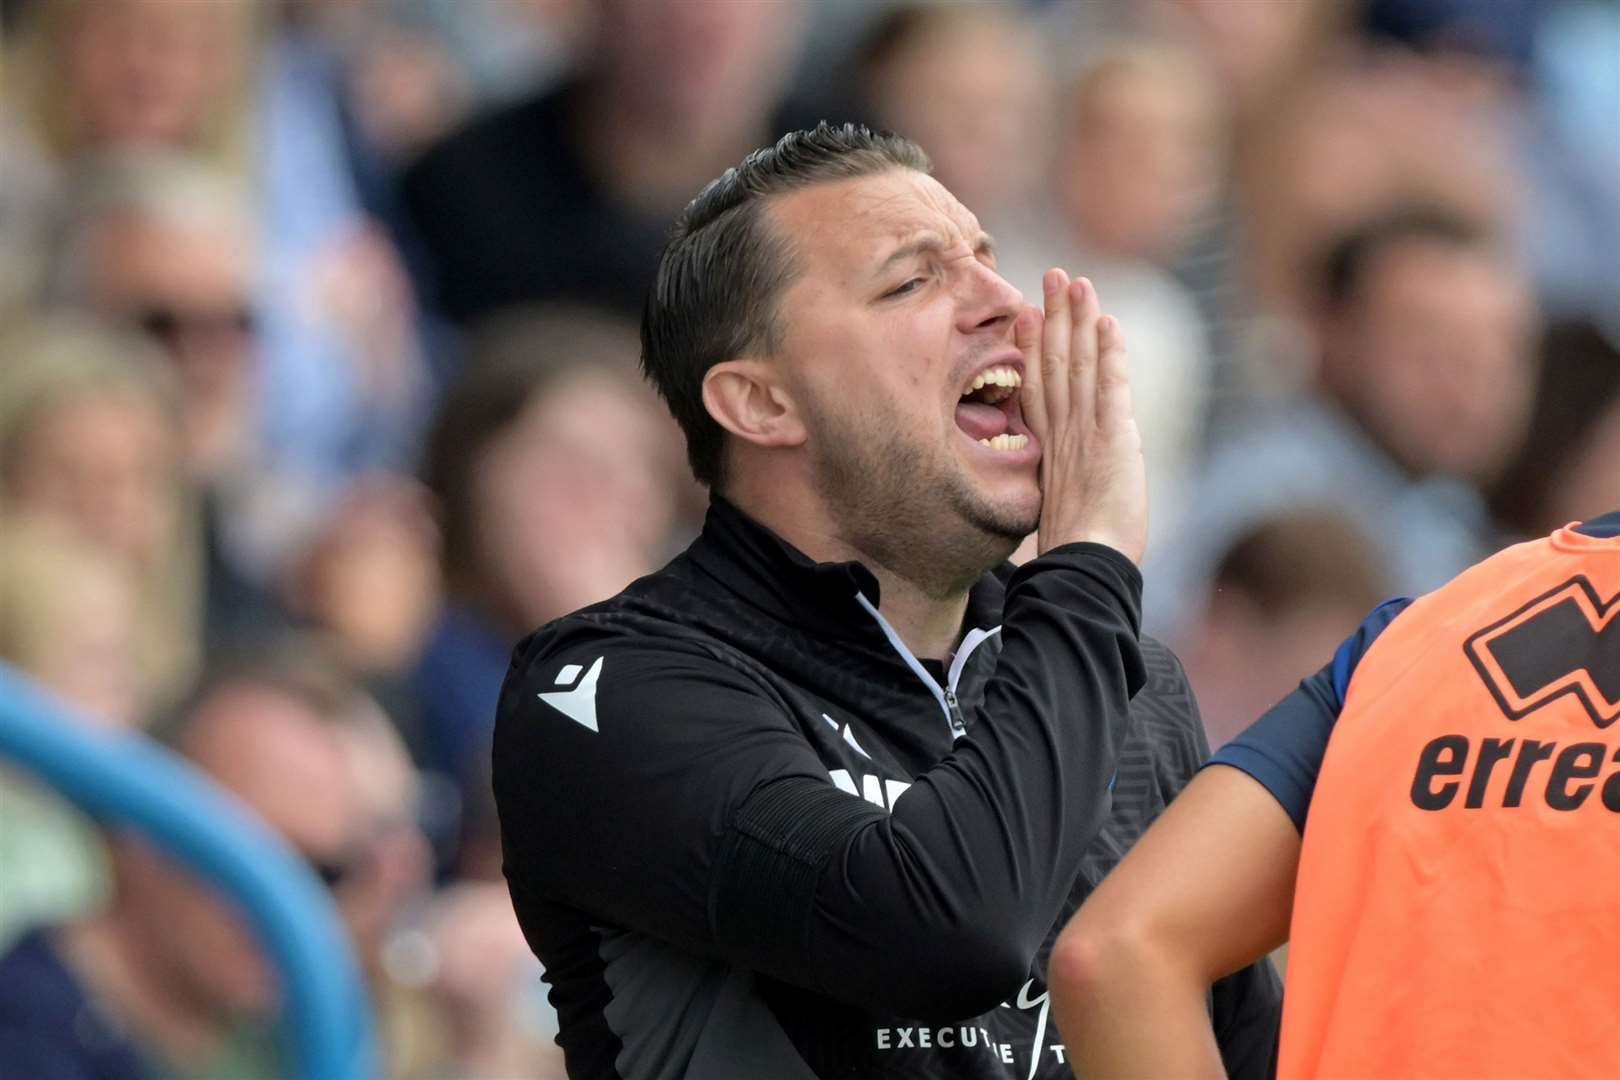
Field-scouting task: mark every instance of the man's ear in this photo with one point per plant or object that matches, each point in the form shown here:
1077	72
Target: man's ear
747	398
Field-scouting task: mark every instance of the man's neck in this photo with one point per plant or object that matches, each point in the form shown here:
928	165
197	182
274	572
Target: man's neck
930	623
106	953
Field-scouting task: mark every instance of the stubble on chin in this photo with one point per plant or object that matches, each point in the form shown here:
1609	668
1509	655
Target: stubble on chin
915	513
998	522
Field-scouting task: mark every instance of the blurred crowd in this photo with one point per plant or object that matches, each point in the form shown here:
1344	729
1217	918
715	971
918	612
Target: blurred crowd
318	388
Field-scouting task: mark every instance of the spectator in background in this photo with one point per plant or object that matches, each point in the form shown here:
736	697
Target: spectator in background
556	475
168	247
1426	365
1566	468
69	618
166	980
1488	60
374	80
1363	132
1254	58
567	195
1327	131
369	580
90	438
88	76
970	82
1256	53
1141	132
346	381
342	379
1283	595
64	600
1137	165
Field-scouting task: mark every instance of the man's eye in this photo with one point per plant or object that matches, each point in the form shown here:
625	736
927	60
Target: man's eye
904	288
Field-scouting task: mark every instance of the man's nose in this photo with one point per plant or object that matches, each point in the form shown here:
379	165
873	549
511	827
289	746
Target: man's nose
990	301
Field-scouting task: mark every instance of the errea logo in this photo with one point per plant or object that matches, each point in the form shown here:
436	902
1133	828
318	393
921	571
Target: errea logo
578	703
1564	642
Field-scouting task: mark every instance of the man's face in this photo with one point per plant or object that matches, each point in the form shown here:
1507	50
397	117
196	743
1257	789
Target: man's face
896	312
1437	356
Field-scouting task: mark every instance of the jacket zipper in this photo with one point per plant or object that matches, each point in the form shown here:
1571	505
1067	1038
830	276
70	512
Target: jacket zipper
953	713
946	695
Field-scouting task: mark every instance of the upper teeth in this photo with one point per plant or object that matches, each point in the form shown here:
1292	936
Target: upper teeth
997	376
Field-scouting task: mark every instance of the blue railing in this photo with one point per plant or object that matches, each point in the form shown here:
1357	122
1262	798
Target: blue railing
129	781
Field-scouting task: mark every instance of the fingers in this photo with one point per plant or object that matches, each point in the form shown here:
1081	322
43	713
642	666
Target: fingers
1027	338
1092	475
1080	369
1056	334
1085	311
1113	374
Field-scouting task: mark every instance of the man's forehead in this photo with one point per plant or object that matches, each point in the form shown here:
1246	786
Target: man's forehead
869	214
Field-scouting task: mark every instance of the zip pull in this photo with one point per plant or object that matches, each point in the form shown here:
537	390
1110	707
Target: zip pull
953	715
953	712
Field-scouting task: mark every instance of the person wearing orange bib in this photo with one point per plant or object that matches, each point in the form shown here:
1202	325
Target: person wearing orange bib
1432	821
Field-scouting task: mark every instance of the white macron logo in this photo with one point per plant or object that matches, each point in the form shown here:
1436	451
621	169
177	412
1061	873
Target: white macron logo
849	737
578	704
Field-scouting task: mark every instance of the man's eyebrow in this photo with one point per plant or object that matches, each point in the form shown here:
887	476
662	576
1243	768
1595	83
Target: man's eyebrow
985	245
915	246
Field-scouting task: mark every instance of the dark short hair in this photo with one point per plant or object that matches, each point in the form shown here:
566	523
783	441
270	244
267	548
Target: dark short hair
723	269
1344	263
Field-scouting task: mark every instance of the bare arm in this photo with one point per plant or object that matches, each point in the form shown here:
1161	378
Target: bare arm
1208	889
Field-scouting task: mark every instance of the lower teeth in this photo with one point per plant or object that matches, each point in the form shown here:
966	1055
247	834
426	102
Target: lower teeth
1006	442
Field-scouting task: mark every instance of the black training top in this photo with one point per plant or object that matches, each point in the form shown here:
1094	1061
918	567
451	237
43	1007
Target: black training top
750	835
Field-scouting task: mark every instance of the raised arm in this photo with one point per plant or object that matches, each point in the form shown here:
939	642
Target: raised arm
696	811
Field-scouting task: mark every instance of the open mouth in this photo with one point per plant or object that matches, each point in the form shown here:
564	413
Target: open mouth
988	411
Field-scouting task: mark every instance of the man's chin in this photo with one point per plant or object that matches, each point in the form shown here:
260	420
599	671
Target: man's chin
1009	517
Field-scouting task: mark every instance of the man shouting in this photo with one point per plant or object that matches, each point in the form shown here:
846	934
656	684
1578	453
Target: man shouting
810	801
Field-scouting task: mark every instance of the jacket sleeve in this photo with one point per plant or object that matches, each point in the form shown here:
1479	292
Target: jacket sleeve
694	810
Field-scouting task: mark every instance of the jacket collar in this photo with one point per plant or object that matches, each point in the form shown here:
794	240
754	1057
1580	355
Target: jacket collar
766	571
